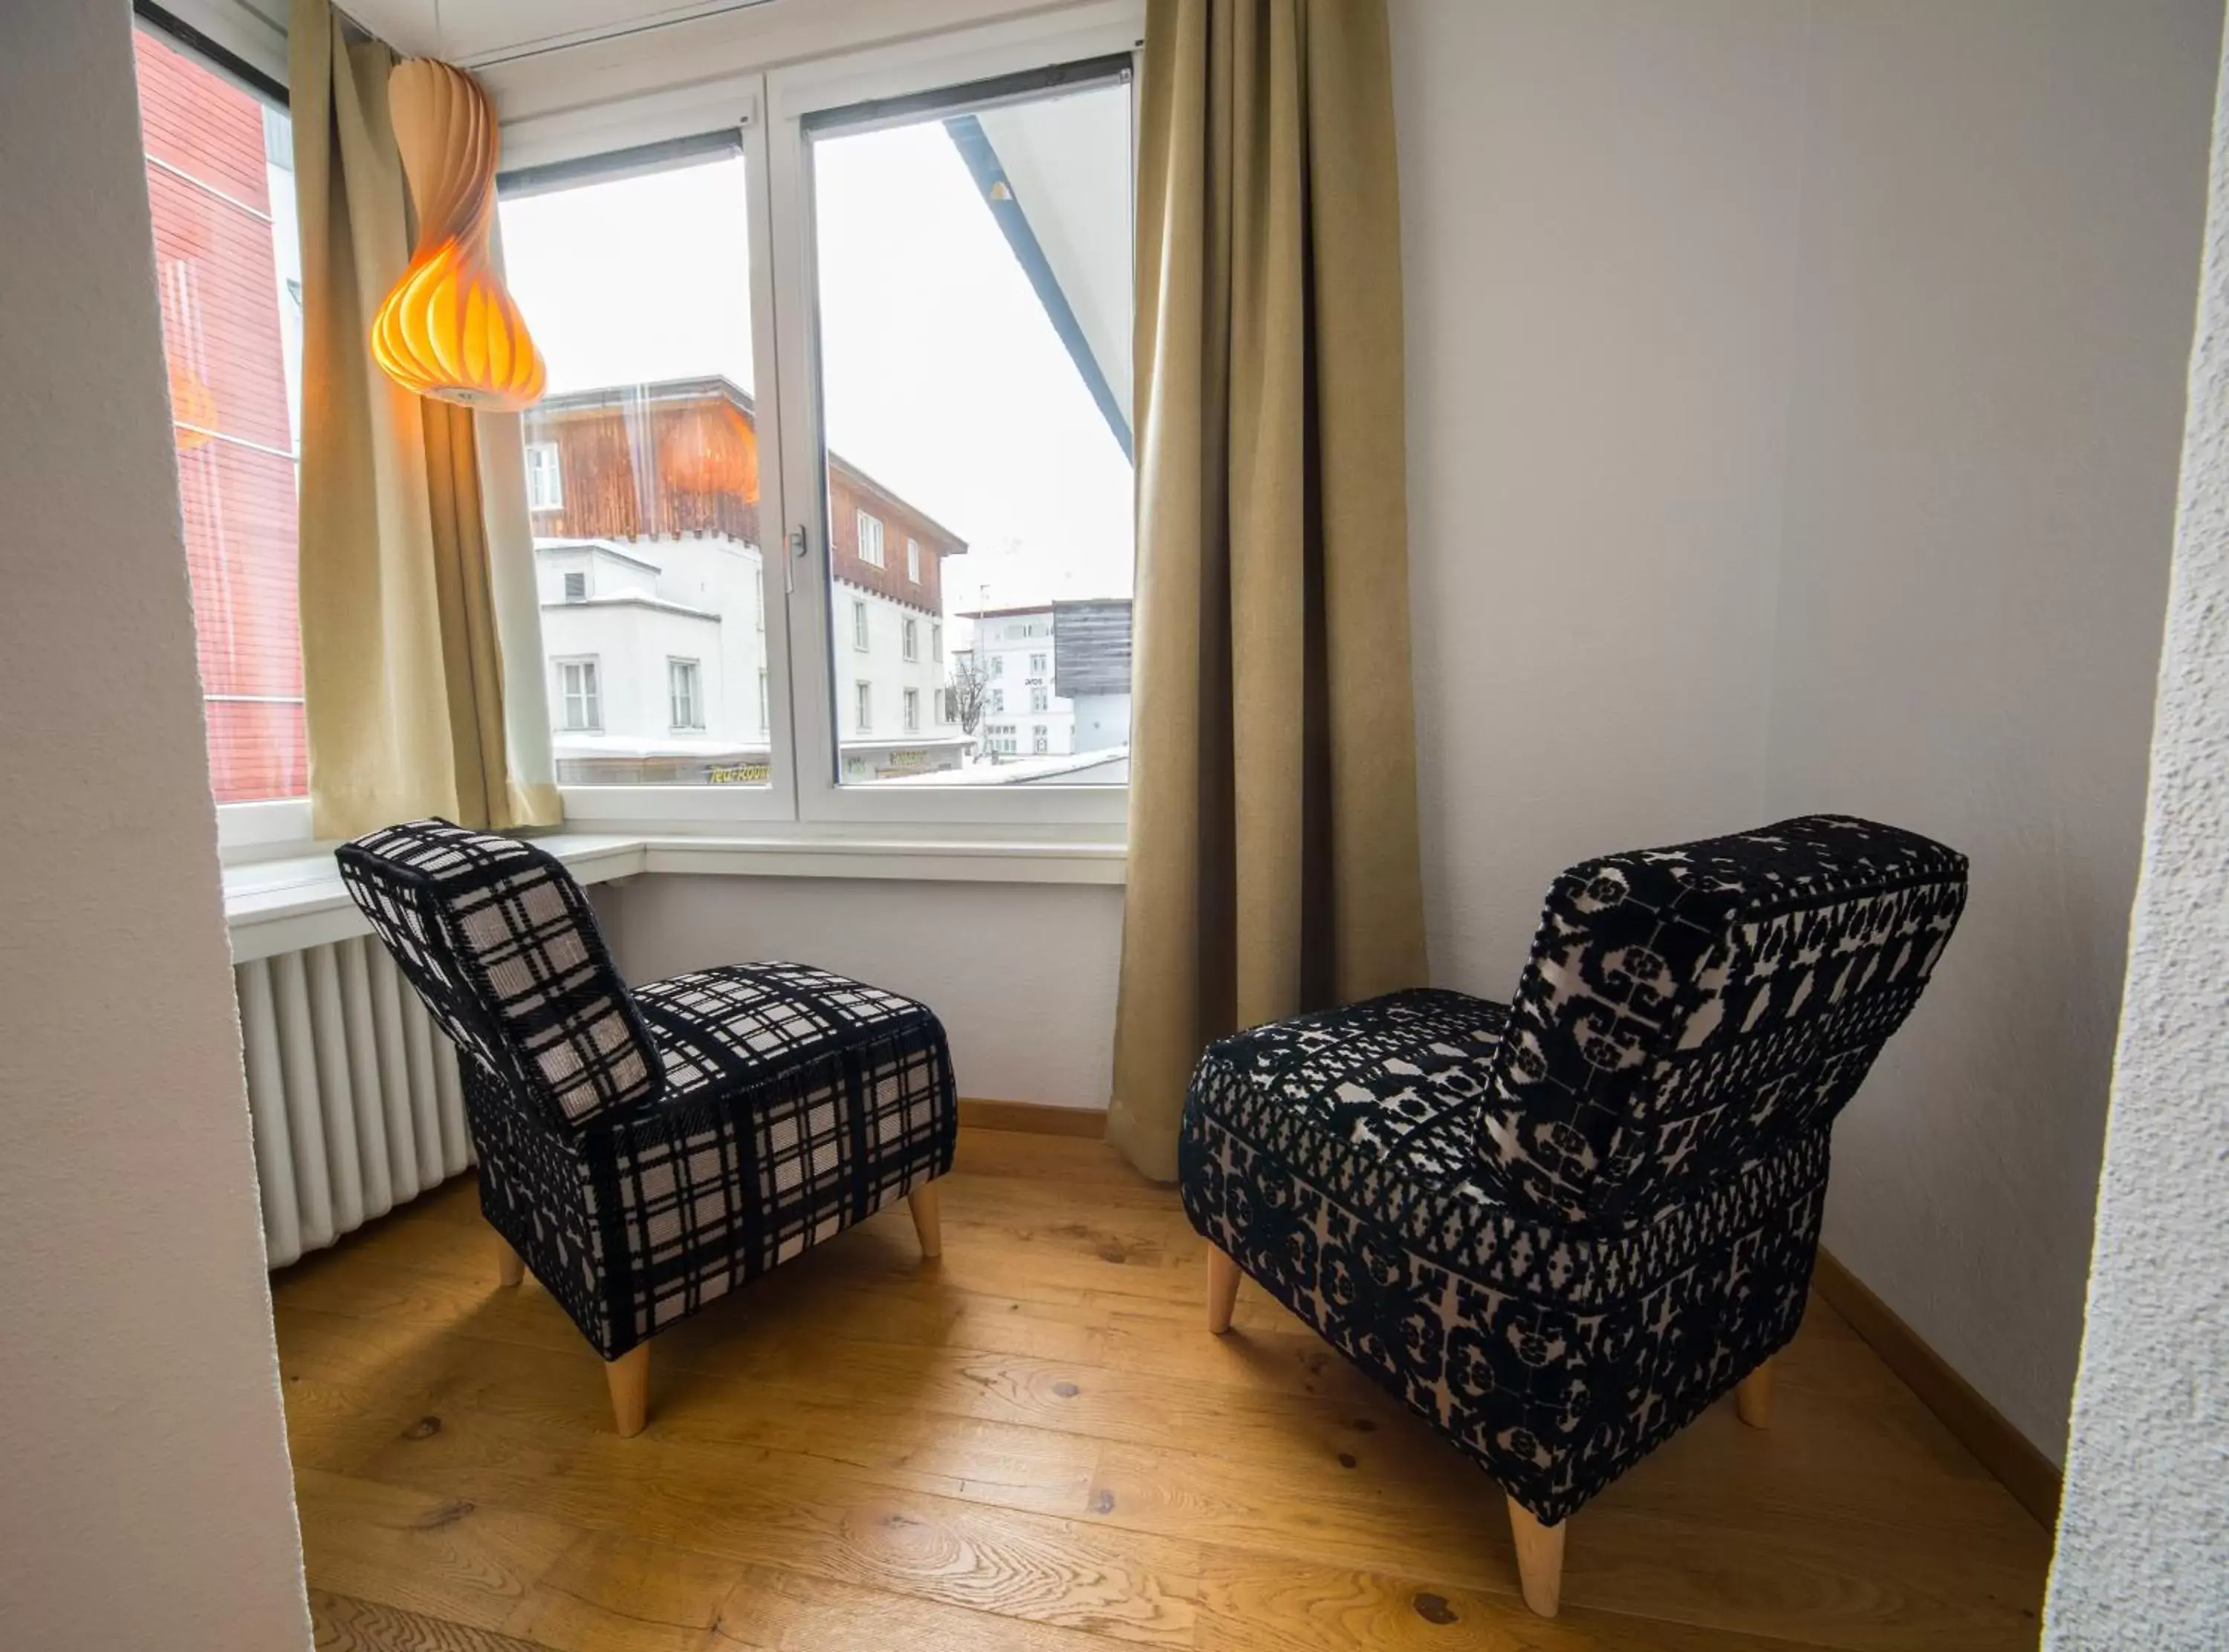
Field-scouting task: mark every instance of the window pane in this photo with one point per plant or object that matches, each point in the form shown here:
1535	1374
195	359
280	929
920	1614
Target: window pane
227	265
974	323
643	473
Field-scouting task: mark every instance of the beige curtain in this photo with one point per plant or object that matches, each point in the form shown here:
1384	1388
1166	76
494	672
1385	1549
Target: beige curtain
1273	795
401	654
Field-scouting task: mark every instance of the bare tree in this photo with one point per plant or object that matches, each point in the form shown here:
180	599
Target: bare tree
970	688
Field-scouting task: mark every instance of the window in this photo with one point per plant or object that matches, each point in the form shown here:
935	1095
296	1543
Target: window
974	408
579	704
227	265
998	702
991	401
1038	701
684	690
1038	741
545	484
648	441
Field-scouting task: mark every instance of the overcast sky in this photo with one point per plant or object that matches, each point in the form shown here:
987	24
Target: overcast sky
945	381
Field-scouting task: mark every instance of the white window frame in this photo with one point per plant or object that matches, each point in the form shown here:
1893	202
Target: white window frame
936	641
868	543
565	583
913	559
680	668
909	639
592	698
862	631
538	472
909	720
863	705
667	96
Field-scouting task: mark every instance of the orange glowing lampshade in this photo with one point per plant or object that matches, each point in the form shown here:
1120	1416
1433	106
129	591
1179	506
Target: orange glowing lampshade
449	329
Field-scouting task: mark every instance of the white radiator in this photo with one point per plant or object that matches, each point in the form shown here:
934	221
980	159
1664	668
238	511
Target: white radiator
353	1090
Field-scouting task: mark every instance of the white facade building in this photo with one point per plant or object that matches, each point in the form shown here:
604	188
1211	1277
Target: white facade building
656	650
892	662
1026	713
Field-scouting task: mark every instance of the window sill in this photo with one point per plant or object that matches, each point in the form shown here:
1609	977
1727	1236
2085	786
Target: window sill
281	906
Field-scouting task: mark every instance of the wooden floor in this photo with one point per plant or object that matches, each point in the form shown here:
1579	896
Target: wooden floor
1033	1446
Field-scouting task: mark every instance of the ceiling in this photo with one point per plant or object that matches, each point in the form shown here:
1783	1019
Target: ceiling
481	31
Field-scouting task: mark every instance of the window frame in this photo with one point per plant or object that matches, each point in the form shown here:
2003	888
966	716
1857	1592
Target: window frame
591	697
807	795
554	471
681	666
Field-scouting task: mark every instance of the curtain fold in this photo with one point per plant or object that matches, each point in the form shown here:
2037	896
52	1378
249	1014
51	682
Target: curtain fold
1273	856
402	663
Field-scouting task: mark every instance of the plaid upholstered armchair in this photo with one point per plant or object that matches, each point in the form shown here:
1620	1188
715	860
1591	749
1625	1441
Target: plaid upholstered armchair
646	1153
1558	1229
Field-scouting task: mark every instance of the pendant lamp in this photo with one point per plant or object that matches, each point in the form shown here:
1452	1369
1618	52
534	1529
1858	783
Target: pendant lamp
449	329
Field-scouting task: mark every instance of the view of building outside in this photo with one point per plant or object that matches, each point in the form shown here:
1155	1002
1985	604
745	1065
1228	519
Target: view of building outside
975	347
220	182
966	382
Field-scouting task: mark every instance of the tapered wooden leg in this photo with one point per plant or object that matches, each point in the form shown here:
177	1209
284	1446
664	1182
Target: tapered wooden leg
629	1376
1753	1397
925	1223
1539	1559
1222	1289
508	1268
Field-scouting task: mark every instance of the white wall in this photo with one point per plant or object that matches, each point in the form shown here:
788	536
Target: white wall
1979	513
147	1499
1793	394
1022	974
2144	1547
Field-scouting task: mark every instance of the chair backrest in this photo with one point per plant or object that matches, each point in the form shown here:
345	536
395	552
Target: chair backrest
503	946
1687	1007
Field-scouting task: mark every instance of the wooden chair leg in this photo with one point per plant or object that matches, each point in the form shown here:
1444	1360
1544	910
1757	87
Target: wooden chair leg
629	1376
1753	1397
1222	1289
925	1219
509	1269
1539	1559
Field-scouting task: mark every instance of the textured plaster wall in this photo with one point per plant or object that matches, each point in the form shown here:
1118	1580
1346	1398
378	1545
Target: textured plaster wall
1794	398
2144	1538
1023	975
144	1495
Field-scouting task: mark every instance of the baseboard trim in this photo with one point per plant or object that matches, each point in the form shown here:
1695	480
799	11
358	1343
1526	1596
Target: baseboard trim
1980	1427
1034	1117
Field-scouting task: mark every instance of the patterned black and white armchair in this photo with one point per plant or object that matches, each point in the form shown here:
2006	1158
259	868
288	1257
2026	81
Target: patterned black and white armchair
646	1153
1558	1230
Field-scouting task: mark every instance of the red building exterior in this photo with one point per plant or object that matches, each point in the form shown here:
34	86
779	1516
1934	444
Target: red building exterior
217	273
682	457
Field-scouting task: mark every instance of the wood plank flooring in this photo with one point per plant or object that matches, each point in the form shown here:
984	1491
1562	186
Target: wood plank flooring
1033	1446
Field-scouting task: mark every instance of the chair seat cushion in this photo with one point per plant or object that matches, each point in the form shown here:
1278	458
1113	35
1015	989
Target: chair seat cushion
797	1103
1332	1156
